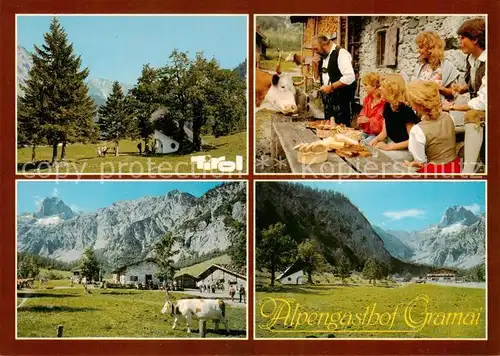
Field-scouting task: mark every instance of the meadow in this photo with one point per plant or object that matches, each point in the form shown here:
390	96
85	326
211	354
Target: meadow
396	302
82	158
108	313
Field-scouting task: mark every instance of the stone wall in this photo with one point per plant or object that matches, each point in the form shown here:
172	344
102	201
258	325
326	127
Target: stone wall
407	52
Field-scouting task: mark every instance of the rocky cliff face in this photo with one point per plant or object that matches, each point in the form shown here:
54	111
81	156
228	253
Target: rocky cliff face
458	240
132	227
326	216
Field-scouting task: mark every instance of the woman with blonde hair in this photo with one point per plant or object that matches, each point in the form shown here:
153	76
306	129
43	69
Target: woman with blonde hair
432	66
432	141
371	118
399	118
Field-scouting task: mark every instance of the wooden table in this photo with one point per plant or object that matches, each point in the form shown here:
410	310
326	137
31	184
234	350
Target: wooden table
287	133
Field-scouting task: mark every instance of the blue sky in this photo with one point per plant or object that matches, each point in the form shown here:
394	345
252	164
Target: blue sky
408	205
90	195
116	47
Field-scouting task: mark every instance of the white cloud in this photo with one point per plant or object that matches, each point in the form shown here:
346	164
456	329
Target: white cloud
75	208
399	215
475	208
37	201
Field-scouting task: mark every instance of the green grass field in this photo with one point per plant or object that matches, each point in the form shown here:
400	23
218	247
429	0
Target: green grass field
109	313
82	158
313	302
196	269
270	63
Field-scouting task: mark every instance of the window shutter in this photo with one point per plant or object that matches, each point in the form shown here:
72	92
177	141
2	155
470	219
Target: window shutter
391	46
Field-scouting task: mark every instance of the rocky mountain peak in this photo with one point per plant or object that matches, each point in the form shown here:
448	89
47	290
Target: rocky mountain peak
456	214
53	206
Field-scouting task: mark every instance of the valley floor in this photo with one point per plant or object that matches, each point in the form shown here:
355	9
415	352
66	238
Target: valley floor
109	313
363	311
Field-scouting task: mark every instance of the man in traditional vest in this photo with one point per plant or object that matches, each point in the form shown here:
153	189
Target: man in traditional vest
472	35
336	76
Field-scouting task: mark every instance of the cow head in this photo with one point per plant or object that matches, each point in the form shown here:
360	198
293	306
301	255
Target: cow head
290	58
281	95
169	308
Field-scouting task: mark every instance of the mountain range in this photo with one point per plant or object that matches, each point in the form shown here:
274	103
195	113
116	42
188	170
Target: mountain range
127	230
457	240
99	89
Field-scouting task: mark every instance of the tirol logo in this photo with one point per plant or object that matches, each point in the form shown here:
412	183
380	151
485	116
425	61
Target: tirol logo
207	163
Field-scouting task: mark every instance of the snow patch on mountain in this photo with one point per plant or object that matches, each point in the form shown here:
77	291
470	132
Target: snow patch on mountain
53	220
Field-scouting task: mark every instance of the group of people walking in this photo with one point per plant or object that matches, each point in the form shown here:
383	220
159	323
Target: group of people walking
232	289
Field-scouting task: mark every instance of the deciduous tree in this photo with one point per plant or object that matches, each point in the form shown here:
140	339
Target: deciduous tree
275	249
164	252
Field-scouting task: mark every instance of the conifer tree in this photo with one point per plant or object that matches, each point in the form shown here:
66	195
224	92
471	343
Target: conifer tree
116	117
56	107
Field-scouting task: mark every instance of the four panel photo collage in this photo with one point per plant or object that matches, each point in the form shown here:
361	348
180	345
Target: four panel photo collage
251	177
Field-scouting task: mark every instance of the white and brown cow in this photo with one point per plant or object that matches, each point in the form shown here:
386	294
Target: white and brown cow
198	309
275	92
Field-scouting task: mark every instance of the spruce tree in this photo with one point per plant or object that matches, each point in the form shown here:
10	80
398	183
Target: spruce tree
56	107
116	117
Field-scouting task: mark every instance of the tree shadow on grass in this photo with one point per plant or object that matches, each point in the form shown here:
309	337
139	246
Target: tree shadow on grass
55	309
119	293
207	147
31	166
232	333
45	295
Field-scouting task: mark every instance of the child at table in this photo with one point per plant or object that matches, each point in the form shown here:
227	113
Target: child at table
371	118
432	141
399	118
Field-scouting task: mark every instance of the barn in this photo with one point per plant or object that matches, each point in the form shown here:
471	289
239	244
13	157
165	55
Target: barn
293	274
142	272
260	46
217	274
163	137
186	280
442	275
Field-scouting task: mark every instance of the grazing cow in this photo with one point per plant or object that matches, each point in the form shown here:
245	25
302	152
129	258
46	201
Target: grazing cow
101	151
198	309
